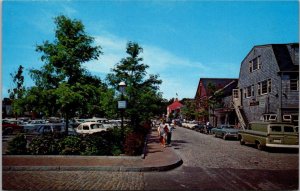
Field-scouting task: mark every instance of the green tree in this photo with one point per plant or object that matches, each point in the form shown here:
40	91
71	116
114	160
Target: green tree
189	110
213	100
70	88
142	90
17	93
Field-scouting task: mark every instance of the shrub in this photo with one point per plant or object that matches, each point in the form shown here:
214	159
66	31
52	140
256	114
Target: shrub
134	144
43	145
96	144
17	146
70	145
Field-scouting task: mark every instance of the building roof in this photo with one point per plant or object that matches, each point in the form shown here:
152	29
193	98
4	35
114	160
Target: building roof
282	55
175	105
227	90
284	58
218	82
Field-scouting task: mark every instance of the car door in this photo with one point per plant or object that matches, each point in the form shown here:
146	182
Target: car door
46	129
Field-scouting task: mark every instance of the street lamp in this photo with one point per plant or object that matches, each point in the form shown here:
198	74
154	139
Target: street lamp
122	102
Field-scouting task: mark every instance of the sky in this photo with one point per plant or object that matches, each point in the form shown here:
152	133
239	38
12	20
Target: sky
182	41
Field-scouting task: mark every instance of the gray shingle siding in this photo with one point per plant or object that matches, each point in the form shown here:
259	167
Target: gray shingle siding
270	102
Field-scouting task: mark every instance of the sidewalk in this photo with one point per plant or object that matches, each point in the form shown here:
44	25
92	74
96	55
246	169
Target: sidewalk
157	158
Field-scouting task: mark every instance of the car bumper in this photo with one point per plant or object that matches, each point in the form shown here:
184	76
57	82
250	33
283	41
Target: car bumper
231	136
282	146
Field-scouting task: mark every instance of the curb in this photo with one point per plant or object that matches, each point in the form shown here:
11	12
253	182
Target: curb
93	168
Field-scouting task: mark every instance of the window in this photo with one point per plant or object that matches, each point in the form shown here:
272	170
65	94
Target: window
273	117
294	82
252	90
288	129
85	127
296	129
287	118
264	87
236	93
276	128
249	91
259	88
255	64
245	92
269	85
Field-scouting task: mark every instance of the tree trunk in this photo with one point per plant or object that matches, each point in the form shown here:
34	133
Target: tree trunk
67	125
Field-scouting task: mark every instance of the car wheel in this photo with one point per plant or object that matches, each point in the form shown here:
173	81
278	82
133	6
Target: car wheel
224	136
259	146
215	135
242	142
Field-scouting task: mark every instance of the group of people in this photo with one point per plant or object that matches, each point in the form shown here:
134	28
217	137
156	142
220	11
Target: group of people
165	133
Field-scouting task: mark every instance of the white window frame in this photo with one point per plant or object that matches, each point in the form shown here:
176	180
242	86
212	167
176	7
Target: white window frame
248	92
258	64
251	66
268	87
258	88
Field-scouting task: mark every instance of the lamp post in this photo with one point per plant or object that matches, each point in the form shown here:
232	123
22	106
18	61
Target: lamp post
122	103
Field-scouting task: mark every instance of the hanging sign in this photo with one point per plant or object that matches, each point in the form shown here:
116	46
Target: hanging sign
122	104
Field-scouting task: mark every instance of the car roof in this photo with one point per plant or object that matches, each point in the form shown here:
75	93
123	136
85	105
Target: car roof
89	123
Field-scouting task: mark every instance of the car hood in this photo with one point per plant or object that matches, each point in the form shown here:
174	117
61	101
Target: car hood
231	130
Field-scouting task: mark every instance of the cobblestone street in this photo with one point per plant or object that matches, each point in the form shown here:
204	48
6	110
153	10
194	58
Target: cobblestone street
208	163
72	180
211	163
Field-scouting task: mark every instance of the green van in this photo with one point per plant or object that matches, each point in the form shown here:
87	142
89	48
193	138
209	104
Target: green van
270	134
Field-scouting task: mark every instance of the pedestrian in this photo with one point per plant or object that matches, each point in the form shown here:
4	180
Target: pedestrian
162	134
208	127
169	133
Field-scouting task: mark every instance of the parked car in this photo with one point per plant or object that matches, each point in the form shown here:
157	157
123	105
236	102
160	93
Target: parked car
37	121
30	128
54	128
116	123
270	134
200	128
225	132
10	128
178	122
90	128
95	119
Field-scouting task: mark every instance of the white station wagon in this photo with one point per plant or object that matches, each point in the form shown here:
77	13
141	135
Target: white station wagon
90	128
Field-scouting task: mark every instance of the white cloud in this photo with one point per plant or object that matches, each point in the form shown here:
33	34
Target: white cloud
179	75
175	72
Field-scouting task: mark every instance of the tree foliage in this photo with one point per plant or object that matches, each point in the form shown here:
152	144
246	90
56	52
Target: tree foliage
63	83
142	90
17	93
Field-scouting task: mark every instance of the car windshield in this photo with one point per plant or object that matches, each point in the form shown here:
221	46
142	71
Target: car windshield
228	127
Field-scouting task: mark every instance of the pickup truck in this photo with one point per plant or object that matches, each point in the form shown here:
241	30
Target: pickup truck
270	134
